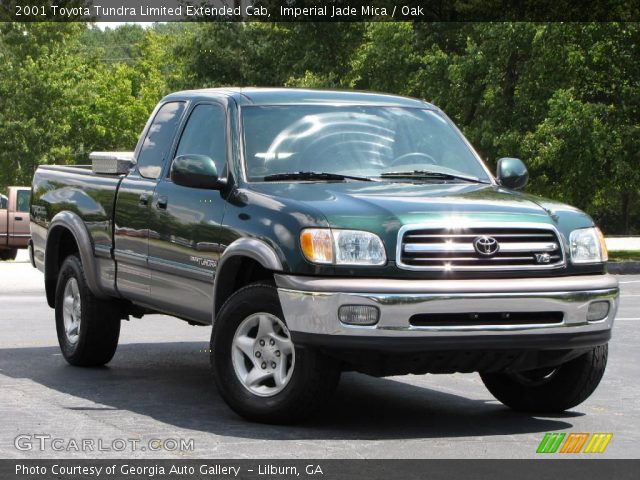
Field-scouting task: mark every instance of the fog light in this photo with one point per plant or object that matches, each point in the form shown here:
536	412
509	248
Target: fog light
597	311
358	314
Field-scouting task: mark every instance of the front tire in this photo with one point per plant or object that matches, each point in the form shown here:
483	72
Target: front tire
550	390
259	372
88	328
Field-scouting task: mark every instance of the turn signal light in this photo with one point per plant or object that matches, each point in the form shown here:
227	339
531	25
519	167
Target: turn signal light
603	245
317	245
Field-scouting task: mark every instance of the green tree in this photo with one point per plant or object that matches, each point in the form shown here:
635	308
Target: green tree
38	74
61	99
565	97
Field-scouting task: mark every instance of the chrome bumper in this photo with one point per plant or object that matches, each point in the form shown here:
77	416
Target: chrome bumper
310	305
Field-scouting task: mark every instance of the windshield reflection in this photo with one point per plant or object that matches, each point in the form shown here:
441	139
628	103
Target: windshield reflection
352	140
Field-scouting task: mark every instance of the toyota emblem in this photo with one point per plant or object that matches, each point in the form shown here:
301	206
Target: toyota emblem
486	246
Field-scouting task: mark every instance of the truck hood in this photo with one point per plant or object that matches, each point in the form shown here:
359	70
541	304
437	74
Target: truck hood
383	207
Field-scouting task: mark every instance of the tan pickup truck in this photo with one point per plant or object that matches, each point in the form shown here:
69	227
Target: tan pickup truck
14	221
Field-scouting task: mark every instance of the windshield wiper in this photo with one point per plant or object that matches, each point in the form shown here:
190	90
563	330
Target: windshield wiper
429	174
312	176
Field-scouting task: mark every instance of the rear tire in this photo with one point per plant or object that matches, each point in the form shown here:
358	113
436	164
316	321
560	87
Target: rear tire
550	390
9	254
259	372
88	328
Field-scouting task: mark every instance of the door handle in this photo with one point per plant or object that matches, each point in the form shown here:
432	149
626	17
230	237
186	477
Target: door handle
18	219
143	201
162	203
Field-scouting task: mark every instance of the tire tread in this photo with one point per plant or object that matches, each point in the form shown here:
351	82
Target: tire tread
100	321
575	381
321	374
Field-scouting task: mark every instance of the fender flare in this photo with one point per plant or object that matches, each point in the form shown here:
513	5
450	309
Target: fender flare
74	224
253	248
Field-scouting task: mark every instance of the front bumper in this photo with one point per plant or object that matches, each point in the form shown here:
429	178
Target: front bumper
310	306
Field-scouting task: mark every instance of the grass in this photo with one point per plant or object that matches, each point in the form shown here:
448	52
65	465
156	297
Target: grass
624	255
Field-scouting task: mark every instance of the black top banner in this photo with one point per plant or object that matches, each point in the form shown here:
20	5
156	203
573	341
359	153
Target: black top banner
319	11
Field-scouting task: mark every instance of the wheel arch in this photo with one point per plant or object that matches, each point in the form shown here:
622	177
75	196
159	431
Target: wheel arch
67	234
245	261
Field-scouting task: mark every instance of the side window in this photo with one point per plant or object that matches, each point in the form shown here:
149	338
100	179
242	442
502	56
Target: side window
23	200
204	134
3	202
158	141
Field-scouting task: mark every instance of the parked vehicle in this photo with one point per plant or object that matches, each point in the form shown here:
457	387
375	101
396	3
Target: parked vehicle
320	232
14	221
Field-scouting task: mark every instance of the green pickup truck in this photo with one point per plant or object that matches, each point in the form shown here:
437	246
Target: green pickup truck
321	232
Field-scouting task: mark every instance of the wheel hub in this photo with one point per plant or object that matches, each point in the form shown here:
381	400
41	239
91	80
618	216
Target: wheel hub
268	353
263	355
72	310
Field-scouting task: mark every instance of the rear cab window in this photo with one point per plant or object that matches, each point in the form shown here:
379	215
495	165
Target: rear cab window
159	139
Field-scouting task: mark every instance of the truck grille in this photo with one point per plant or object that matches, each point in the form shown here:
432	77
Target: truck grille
479	248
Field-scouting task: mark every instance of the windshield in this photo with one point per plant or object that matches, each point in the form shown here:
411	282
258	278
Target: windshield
365	141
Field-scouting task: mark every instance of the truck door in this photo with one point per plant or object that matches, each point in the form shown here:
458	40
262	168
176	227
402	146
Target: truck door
184	256
4	221
136	222
19	217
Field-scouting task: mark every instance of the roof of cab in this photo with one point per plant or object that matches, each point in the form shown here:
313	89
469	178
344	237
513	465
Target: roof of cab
291	96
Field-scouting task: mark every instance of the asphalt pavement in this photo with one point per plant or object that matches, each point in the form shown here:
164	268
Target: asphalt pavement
156	399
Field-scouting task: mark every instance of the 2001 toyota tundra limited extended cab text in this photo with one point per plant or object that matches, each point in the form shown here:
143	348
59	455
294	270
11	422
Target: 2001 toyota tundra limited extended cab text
320	232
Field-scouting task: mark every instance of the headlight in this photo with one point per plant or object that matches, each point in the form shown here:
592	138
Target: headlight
588	246
342	247
354	247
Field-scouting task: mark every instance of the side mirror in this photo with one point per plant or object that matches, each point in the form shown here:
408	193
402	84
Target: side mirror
195	171
512	173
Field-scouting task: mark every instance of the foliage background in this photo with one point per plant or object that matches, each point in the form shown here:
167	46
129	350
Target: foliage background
564	97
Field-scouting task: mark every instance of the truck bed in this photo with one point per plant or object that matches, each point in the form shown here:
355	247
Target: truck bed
78	190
